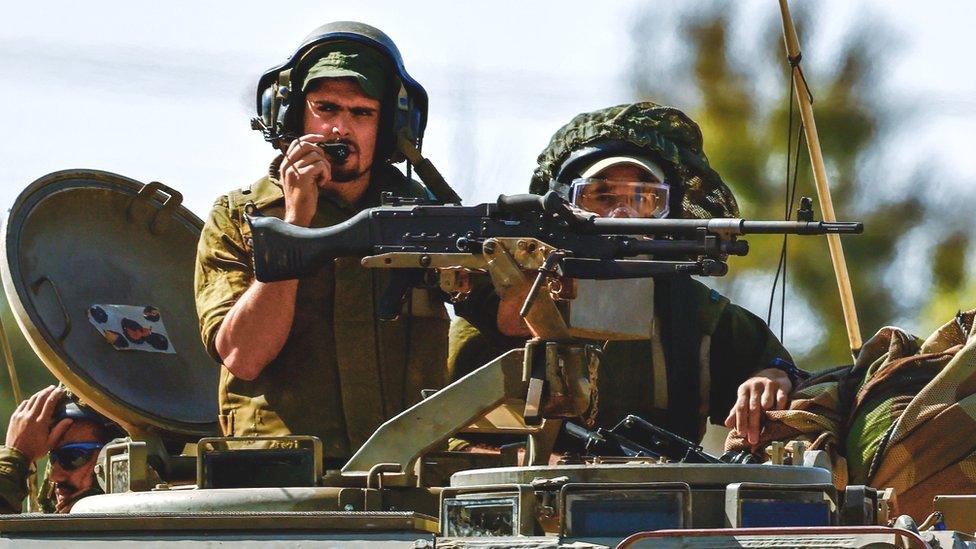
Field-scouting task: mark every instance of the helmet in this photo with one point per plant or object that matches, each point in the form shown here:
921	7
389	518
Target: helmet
69	408
403	111
663	135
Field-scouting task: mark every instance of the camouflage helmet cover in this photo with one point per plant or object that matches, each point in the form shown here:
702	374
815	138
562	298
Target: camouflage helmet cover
661	132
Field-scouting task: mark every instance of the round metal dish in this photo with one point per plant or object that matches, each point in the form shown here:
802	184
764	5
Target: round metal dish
77	238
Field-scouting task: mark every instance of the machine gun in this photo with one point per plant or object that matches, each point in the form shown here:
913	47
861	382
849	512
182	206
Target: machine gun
635	437
576	253
540	233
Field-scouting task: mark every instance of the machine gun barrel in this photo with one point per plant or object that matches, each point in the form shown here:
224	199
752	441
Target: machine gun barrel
596	245
590	439
582	222
718	226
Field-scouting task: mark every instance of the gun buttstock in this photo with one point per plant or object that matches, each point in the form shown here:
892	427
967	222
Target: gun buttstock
283	251
277	254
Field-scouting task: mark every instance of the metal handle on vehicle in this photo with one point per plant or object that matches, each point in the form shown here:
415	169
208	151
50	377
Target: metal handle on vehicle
373	501
173	199
374	479
36	287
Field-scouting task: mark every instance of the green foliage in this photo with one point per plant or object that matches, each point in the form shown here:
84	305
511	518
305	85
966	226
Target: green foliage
31	372
948	262
741	103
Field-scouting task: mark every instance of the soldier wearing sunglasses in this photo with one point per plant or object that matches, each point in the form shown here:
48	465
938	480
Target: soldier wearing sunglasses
71	436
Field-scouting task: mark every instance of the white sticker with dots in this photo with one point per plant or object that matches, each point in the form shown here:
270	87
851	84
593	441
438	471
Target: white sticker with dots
131	327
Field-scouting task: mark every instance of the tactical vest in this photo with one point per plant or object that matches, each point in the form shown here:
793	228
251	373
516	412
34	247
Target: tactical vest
667	379
380	366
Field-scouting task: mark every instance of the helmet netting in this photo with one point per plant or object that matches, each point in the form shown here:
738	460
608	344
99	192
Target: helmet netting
665	132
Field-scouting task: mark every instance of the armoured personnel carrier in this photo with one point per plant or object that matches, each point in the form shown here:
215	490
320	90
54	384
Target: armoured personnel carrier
80	241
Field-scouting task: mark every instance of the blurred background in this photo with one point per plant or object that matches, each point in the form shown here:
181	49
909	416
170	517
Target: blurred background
166	91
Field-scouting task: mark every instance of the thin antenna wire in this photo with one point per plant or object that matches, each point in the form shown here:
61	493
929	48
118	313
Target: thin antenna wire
789	164
792	173
796	171
791	186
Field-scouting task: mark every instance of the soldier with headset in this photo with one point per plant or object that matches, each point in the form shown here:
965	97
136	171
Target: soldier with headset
309	357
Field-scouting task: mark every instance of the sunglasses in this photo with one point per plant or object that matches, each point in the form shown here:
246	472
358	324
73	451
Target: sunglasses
74	455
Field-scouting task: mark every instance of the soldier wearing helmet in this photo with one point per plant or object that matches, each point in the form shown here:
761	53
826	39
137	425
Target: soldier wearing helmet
70	434
646	160
307	357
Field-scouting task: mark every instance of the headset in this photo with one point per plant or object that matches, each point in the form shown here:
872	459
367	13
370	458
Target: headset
403	108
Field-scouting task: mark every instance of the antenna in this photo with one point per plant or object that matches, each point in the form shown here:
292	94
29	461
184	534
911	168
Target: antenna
809	126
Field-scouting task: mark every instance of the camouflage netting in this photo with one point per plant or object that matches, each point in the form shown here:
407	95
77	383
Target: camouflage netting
665	132
903	417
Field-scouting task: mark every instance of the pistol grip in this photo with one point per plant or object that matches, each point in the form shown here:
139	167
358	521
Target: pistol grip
401	281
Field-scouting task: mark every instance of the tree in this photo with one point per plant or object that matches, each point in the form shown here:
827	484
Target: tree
741	103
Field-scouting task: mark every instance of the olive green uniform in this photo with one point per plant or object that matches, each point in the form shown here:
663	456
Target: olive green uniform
677	378
14	472
14	469
701	346
342	372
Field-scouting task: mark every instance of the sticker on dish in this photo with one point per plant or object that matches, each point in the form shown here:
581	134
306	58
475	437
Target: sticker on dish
131	327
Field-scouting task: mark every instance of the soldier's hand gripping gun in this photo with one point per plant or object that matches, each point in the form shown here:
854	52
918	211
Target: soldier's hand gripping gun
634	437
539	233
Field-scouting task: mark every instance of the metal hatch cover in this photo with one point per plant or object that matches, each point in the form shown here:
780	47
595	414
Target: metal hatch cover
78	238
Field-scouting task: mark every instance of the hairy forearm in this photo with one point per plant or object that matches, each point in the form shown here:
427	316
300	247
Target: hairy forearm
256	328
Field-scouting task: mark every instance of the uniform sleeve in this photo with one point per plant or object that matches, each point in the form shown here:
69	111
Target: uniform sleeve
14	468
480	310
223	272
742	344
469	348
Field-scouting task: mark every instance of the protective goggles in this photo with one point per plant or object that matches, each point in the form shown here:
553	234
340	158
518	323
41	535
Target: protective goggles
620	198
73	455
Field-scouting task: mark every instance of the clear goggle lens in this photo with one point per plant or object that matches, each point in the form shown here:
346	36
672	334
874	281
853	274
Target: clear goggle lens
620	198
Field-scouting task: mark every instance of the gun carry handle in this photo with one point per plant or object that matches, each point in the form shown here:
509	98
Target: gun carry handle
520	203
550	204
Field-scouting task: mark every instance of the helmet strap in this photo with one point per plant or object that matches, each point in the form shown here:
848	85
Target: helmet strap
433	180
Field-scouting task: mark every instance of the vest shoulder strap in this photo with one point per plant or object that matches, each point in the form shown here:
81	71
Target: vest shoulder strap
710	304
678	307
